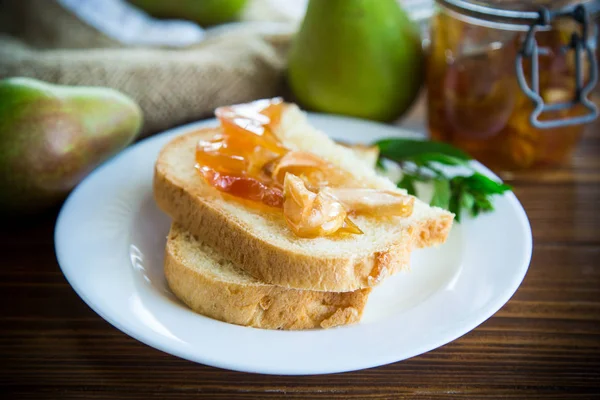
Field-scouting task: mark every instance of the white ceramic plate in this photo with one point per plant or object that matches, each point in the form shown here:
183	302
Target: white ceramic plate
110	240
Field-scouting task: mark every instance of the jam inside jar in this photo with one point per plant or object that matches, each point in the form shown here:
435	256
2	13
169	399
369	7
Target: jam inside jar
475	101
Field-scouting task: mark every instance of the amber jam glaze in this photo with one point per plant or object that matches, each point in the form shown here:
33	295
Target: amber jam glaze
247	160
233	161
475	102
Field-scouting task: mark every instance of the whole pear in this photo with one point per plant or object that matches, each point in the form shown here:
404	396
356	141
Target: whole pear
204	12
361	58
52	136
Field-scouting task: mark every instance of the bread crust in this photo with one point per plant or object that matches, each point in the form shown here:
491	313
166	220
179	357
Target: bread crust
257	305
190	205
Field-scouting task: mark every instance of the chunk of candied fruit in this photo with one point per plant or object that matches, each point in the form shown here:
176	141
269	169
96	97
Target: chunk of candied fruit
373	201
252	124
316	171
243	186
311	214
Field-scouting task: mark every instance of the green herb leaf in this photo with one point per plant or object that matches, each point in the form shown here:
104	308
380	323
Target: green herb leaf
419	160
408	182
380	165
482	184
400	149
467	202
426	158
454	204
441	193
419	177
483	202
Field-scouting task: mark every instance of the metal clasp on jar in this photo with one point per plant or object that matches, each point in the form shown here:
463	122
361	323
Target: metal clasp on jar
580	45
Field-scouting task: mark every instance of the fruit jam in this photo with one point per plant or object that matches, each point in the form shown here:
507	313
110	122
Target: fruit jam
236	160
247	160
475	102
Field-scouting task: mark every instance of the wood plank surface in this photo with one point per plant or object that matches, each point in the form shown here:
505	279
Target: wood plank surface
543	344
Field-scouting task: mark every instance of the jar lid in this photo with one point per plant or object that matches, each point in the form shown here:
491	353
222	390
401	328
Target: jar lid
515	11
526	5
536	15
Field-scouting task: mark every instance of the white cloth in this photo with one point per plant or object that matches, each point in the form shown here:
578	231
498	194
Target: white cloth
127	24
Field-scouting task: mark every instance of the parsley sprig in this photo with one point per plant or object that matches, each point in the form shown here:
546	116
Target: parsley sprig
424	161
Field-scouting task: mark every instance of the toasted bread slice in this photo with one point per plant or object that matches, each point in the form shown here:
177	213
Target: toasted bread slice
259	241
211	285
368	154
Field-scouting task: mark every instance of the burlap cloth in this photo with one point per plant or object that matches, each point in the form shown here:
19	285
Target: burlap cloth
40	39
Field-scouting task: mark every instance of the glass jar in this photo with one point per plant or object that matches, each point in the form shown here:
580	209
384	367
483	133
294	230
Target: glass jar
509	81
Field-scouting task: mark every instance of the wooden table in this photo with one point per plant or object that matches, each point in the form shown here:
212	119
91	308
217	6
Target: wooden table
545	343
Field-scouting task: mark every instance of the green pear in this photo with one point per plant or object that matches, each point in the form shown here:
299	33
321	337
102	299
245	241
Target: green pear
52	136
204	12
361	58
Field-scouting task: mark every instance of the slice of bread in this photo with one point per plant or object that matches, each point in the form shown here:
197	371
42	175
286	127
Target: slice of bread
211	285
368	154
258	239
